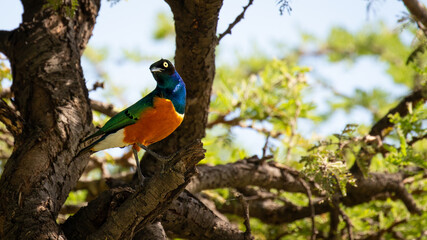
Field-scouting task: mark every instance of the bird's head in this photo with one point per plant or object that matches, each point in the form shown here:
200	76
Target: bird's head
164	73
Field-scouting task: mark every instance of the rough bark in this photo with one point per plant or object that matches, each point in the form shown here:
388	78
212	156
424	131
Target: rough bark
52	99
271	212
189	218
112	217
153	231
235	175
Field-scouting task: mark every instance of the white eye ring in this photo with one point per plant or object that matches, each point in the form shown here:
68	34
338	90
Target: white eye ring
165	64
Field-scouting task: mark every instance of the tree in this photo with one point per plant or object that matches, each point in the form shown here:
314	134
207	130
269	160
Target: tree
47	112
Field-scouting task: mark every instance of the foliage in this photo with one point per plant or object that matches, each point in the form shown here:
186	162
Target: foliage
376	42
263	95
69	8
327	166
407	129
270	97
5	73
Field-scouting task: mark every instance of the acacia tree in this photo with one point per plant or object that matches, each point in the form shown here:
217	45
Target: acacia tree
47	112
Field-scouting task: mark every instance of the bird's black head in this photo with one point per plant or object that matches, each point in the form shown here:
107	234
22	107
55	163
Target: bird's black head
163	66
164	73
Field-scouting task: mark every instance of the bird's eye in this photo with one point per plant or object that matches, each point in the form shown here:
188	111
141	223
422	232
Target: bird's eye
165	64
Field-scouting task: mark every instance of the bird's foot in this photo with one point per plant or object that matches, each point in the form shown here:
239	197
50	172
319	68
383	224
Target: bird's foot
163	159
159	157
138	168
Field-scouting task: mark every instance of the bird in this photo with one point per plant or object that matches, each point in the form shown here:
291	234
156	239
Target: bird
149	120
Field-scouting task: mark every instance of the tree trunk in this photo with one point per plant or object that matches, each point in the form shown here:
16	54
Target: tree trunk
196	27
52	99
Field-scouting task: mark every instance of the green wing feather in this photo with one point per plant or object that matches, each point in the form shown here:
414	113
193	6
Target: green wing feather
126	117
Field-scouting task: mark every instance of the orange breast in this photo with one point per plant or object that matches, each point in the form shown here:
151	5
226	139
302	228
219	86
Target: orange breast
154	123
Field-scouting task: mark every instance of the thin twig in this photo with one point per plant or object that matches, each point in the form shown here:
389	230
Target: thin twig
419	12
310	203
237	20
338	211
221	119
245	208
381	232
416	139
347	221
97	85
264	149
105	108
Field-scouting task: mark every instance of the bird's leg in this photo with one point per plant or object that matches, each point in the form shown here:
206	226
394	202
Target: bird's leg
156	155
138	167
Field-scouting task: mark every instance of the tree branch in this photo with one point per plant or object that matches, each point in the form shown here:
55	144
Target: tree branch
310	204
335	213
334	219
381	232
416	139
271	212
241	123
235	175
347	223
189	218
236	21
88	219
221	119
141	207
153	231
105	108
419	12
246	222
51	96
383	127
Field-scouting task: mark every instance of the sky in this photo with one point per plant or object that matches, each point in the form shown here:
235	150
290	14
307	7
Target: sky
130	24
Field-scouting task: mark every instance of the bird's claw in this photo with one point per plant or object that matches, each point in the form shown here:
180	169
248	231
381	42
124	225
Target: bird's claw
138	168
163	159
156	155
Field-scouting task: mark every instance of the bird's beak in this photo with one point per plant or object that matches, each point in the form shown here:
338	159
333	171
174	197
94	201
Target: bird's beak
155	69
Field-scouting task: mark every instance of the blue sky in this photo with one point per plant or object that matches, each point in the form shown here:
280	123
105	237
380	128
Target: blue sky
130	24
